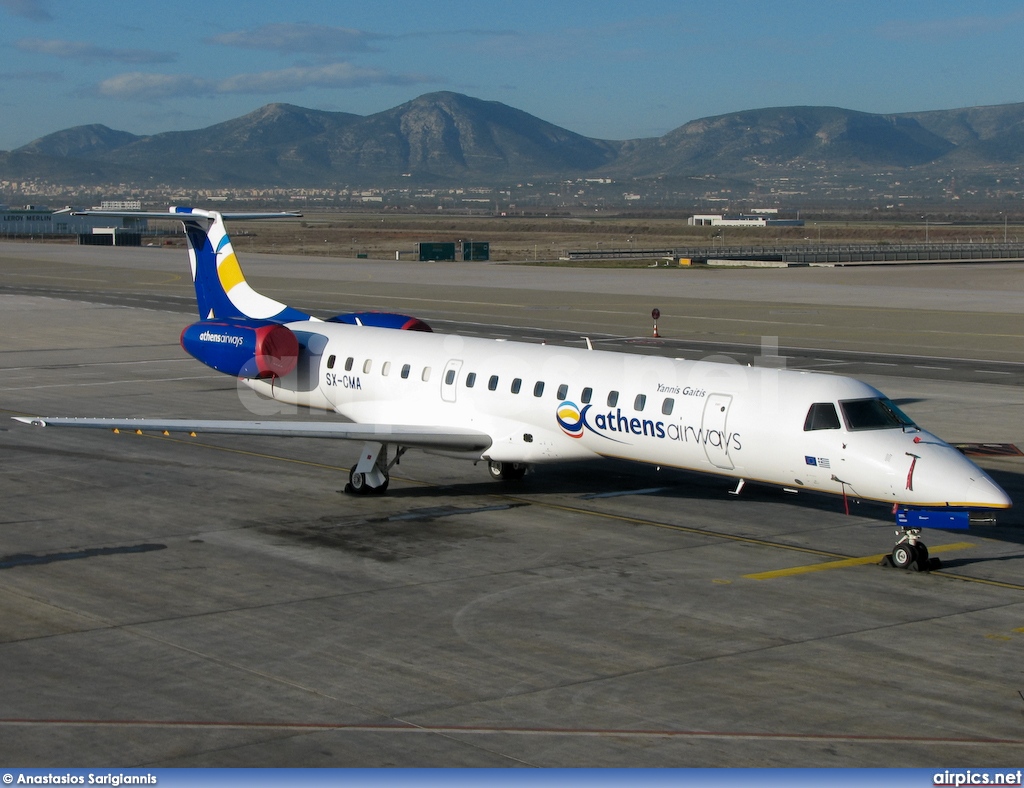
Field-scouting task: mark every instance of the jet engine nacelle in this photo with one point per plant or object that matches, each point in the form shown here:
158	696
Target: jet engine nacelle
382	320
244	348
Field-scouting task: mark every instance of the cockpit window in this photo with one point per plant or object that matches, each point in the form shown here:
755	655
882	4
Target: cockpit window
822	416
873	414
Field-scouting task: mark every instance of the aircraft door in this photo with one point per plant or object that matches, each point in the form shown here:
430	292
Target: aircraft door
715	430
311	349
450	380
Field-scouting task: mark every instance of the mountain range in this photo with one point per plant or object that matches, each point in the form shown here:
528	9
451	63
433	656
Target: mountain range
449	138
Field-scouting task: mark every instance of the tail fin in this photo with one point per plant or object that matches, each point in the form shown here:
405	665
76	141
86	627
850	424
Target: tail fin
221	289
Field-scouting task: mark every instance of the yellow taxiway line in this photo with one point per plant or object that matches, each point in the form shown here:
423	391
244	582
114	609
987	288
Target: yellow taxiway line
867	559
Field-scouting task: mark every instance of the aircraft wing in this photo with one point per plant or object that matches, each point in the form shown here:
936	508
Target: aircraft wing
453	439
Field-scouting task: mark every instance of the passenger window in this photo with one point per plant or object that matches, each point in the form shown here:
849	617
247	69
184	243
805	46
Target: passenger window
449	377
348	363
586	395
563	391
384	370
821	416
516	385
640	402
426	374
492	384
667	406
367	366
538	388
470	380
330	362
406	369
613	399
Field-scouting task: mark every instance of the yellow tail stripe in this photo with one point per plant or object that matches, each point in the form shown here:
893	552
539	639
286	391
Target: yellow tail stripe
229	272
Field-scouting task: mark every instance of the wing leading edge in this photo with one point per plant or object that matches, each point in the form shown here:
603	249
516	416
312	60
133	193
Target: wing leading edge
397	434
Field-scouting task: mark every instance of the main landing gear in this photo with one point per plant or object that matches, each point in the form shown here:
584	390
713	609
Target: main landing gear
372	473
910	552
506	471
359	485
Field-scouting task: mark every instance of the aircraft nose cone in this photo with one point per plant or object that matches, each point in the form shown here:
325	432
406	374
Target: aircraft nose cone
982	491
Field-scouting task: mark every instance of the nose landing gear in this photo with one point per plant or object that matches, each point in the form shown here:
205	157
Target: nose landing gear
910	552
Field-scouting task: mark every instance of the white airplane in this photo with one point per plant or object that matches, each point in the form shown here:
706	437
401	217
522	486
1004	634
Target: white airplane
514	404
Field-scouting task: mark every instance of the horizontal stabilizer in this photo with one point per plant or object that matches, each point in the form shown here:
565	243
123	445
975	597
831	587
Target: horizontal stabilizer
185	213
451	439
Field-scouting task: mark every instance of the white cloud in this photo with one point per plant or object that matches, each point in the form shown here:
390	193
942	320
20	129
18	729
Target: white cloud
32	76
85	52
332	75
299	37
36	10
140	86
152	87
953	27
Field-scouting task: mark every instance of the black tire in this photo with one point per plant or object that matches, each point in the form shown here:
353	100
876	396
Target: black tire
903	555
506	471
922	554
357	482
514	471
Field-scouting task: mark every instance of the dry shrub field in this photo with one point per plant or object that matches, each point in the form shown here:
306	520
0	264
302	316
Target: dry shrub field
527	239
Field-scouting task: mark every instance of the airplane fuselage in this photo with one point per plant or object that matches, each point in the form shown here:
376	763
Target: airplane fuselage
515	404
542	403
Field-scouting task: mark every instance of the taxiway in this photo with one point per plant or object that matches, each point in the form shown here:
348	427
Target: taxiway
217	601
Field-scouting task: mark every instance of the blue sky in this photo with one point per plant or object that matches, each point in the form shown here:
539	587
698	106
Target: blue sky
614	70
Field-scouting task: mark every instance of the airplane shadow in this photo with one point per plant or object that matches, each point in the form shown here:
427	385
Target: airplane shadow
612	478
953	563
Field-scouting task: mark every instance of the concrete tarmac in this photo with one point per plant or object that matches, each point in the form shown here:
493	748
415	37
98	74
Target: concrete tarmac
217	601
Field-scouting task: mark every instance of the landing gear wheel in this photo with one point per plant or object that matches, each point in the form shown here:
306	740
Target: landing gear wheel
903	555
506	471
911	553
358	485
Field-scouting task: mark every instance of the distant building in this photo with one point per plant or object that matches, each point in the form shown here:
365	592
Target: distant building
718	220
121	205
40	220
110	236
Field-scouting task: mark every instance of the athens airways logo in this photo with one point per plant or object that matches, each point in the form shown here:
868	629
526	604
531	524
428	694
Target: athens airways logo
570	419
575	421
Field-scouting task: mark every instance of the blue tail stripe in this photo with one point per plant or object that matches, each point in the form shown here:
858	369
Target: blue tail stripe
210	296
